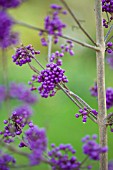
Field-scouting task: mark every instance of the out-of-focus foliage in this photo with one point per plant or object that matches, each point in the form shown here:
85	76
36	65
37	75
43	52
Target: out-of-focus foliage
56	114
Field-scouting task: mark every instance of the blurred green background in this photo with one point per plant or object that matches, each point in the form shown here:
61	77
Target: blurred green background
56	114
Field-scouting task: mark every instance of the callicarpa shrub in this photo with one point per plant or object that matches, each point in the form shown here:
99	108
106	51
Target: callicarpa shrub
18	132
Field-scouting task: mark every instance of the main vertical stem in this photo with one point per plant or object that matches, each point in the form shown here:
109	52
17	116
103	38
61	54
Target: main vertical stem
101	83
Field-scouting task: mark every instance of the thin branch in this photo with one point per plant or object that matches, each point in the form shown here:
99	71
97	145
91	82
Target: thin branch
93	119
79	99
108	33
49	47
109	119
33	68
38	62
80	43
28	26
63	36
14	150
19	152
77	21
65	91
82	102
109	116
110	39
77	103
85	159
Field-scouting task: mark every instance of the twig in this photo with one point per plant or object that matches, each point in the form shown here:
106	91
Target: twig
65	91
93	119
109	119
33	68
49	47
38	62
77	21
14	150
85	159
108	33
29	26
110	39
77	103
80	43
80	166
82	102
63	36
109	116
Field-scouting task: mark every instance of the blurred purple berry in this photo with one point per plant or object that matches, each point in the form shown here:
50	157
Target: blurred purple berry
22	92
68	47
6	161
7	37
2	93
10	3
94	90
24	54
110	165
84	113
109	59
35	138
53	25
109	95
60	157
92	148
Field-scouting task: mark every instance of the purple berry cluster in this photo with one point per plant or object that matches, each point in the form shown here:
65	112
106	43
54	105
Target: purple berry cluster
107	6
7	37
17	91
109	47
24	54
59	157
92	148
53	24
55	57
17	121
6	160
109	95
106	23
84	113
68	47
49	79
22	92
10	4
35	139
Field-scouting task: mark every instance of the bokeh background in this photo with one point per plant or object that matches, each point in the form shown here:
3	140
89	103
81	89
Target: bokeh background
56	114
